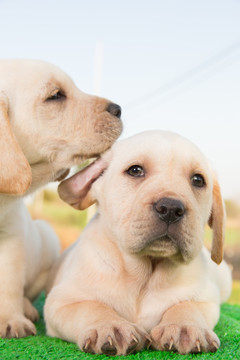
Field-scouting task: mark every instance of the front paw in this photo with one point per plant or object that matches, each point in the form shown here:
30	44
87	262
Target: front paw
114	338
17	327
30	311
184	339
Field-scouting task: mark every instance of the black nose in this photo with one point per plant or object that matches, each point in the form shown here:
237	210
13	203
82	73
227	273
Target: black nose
114	109
169	210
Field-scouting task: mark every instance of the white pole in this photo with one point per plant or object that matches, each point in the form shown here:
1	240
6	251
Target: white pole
97	79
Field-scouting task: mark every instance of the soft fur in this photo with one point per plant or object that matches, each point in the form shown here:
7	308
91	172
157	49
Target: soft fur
132	277
46	126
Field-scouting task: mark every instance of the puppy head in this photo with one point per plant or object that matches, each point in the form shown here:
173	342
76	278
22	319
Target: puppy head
48	125
155	197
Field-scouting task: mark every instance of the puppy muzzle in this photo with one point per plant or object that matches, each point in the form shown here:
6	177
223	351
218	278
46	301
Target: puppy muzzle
168	228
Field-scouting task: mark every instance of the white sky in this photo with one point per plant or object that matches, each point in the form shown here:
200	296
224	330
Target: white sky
170	64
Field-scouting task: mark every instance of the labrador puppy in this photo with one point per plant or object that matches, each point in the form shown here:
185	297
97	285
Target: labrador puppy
46	126
140	268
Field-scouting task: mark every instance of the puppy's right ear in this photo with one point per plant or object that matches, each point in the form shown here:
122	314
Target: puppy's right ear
217	223
76	190
16	174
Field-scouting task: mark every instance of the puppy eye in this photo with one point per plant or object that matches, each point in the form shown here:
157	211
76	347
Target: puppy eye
57	95
198	180
136	171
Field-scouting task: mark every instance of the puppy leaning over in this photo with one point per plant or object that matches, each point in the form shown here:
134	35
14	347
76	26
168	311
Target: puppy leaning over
46	126
140	267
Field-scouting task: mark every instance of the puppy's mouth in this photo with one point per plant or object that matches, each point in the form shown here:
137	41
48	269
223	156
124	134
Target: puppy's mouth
61	174
162	246
77	160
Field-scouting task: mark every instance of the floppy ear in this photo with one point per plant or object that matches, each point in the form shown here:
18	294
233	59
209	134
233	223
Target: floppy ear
217	223
76	190
15	174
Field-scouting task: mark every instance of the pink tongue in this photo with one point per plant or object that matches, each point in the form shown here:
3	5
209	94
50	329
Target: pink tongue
74	189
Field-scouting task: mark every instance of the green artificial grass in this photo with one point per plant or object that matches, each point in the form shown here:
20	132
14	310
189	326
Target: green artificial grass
43	347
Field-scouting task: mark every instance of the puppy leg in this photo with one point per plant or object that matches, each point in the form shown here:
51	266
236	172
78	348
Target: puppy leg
13	323
95	327
29	310
45	252
187	327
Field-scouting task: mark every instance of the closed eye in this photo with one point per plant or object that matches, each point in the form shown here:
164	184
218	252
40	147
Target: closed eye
56	96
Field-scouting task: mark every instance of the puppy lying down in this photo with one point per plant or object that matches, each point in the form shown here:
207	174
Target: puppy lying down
139	271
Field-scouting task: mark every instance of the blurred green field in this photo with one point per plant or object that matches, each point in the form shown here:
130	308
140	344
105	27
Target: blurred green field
235	296
65	215
68	223
48	204
232	236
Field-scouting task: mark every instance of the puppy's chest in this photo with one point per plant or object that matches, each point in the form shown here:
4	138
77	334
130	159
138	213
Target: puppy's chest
154	300
140	295
131	290
134	289
120	287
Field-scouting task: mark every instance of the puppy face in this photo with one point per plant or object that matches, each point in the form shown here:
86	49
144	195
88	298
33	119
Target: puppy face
53	123
155	196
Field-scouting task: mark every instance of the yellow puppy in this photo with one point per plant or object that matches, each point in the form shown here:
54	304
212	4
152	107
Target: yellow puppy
140	266
46	126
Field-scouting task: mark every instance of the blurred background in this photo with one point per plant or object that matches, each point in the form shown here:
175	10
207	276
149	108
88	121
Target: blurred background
171	65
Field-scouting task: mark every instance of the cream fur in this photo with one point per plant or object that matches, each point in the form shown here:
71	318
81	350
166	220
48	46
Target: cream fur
40	140
122	278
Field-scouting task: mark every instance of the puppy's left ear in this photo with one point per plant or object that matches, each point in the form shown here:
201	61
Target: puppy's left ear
217	223
16	174
76	190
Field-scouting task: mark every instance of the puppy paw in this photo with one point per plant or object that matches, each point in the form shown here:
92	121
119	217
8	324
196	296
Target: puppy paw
16	328
30	311
116	338
184	339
